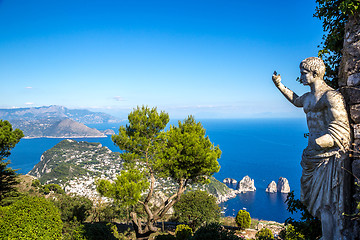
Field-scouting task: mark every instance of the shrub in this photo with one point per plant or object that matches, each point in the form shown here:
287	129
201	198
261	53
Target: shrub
73	230
165	237
30	218
73	207
264	234
308	225
96	231
289	233
243	219
196	208
214	231
183	232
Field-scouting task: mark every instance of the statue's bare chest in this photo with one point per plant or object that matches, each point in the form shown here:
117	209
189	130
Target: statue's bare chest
311	104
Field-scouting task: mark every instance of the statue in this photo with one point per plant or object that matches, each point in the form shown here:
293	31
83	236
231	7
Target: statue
328	143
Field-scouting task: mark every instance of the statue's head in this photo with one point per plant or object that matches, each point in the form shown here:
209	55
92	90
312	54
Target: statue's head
314	65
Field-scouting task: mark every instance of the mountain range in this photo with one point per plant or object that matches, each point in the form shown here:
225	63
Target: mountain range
56	121
56	112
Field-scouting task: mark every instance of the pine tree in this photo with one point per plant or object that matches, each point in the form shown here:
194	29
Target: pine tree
8	176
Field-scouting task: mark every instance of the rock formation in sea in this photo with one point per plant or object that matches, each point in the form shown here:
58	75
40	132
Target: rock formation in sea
246	185
230	181
272	187
283	185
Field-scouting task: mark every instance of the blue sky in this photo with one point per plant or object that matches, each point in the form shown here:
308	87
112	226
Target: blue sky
212	59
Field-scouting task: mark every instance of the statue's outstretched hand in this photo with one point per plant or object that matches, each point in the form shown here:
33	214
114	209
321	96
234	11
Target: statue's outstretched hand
276	78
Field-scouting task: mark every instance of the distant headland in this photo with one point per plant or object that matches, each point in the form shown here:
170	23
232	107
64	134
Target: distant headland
57	122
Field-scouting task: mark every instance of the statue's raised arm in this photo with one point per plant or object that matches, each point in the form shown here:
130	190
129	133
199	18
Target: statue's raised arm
290	95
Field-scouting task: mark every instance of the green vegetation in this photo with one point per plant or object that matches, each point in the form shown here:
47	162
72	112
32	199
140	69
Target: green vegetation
308	226
243	219
8	139
214	231
197	208
289	233
165	237
182	153
183	232
264	234
73	208
215	187
30	218
69	160
334	14
126	189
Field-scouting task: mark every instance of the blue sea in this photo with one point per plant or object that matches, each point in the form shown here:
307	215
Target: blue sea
264	149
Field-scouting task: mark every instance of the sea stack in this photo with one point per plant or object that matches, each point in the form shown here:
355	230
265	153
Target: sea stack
229	181
283	185
246	185
272	187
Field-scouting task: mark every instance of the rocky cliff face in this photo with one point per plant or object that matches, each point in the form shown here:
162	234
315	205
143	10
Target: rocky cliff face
230	181
349	81
246	185
283	185
272	187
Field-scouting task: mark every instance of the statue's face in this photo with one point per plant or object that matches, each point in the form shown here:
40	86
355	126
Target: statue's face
306	77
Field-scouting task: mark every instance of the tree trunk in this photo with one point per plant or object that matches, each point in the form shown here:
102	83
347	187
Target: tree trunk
141	234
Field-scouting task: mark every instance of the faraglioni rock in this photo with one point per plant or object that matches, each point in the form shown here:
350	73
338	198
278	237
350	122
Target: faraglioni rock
230	181
283	185
272	187
246	185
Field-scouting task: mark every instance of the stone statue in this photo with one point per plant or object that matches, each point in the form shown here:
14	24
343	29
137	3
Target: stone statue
328	143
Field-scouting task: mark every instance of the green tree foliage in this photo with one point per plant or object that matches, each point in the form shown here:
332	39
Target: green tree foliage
196	208
308	226
126	188
289	233
243	219
264	234
183	232
334	14
183	154
30	218
73	230
53	188
8	181
214	231
8	139
73	207
190	155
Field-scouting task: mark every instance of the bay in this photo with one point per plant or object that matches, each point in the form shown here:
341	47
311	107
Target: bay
264	149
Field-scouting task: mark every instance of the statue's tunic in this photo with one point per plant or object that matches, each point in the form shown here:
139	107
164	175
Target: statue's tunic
323	173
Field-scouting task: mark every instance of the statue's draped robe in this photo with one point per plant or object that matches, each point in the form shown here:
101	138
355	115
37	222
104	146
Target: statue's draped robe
323	173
